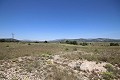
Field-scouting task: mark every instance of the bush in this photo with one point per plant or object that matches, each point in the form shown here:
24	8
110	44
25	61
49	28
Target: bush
109	67
96	51
84	44
66	49
115	71
74	42
7	46
45	41
108	75
71	42
36	42
114	44
68	42
74	49
29	44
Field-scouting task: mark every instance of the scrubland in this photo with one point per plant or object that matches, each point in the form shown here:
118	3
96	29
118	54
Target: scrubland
56	61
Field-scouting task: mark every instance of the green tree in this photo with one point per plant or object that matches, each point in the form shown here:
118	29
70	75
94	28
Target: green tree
45	41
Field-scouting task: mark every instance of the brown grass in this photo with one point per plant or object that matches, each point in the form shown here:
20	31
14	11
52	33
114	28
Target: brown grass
101	53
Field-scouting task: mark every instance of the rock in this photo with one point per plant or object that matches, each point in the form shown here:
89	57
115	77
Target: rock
90	65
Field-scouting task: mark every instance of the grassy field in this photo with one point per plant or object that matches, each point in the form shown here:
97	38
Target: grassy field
101	51
13	50
35	55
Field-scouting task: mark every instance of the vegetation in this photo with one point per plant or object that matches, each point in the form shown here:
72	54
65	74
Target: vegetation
66	49
71	42
108	75
75	49
45	41
84	44
113	72
114	44
92	52
9	40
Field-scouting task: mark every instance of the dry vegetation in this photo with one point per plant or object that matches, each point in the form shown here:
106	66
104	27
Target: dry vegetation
55	61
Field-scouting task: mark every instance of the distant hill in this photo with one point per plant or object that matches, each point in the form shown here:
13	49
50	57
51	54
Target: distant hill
89	40
8	40
63	40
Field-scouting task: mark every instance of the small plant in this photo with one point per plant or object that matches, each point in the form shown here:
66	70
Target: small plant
96	50
7	45
108	75
29	44
66	49
74	49
109	67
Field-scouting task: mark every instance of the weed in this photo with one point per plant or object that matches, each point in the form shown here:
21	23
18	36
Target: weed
66	49
109	67
108	75
7	45
29	44
74	49
96	51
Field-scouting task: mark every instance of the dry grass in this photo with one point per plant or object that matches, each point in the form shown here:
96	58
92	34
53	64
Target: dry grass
109	54
96	53
13	50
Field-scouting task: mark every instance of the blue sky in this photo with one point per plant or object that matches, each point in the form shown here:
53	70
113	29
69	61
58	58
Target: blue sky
58	19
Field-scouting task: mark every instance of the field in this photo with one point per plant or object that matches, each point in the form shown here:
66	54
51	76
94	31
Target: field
56	61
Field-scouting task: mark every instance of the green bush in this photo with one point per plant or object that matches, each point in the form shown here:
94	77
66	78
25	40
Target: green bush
96	51
109	67
74	49
108	75
29	44
114	44
45	41
71	42
7	45
84	44
66	49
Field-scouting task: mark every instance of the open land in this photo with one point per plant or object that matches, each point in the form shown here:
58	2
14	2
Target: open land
59	61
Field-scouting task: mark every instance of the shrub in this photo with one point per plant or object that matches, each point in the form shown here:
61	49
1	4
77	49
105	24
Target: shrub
114	44
109	67
29	44
74	42
96	51
74	49
108	75
84	44
71	42
36	42
66	49
113	70
90	57
68	42
7	45
45	41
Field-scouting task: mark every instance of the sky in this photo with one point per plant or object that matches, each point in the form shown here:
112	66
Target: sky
59	19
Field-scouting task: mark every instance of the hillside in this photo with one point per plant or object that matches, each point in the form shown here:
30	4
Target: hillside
89	40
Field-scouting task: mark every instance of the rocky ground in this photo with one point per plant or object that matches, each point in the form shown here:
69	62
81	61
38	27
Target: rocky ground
51	67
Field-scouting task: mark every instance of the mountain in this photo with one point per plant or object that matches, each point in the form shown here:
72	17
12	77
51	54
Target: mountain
89	40
63	40
8	40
